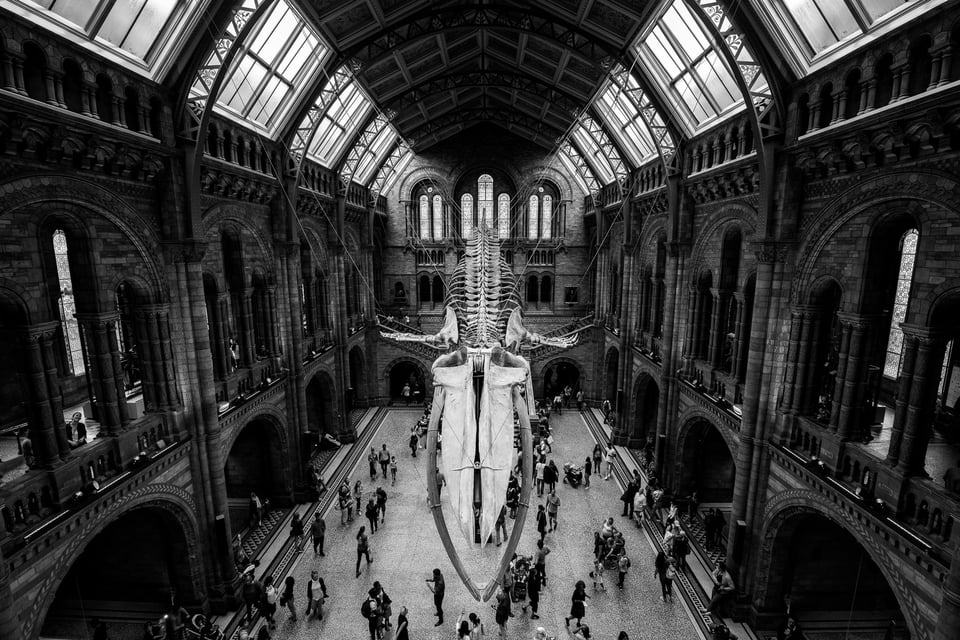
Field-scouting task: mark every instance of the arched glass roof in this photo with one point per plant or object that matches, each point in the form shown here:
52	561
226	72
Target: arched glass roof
339	124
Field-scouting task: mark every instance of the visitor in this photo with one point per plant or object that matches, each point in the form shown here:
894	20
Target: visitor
627	498
286	597
318	531
358	492
540	561
501	525
438	589
580	400
414	442
402	630
268	603
316	595
363	548
538	474
567	393
76	431
371	513
502	611
610	458
296	532
550	476
578	603
405	393
533	593
724	591
393	471
541	522
381	503
587	471
256	511
660	566
623	564
597	574
384	459
597	457
251	594
553	507
372	459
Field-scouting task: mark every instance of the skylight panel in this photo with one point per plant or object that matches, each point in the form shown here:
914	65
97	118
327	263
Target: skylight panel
281	52
592	154
374	154
574	163
339	124
623	120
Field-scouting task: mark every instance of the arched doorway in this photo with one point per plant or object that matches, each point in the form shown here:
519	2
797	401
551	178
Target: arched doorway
402	373
321	409
611	370
357	392
255	465
829	578
646	400
707	465
557	375
126	575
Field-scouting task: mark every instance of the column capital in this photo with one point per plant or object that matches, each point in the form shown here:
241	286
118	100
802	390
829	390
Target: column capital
924	335
185	250
145	310
858	320
37	331
95	319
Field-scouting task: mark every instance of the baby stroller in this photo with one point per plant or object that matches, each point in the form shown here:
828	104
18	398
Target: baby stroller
521	570
572	474
612	557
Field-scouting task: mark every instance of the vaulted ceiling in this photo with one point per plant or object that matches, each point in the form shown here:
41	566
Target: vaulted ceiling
441	67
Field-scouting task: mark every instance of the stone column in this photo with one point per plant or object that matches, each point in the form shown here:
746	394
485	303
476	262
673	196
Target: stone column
9	77
52	381
838	385
45	425
721	299
948	620
904	385
919	419
855	375
946	66
97	328
246	340
806	352
273	344
740	339
791	376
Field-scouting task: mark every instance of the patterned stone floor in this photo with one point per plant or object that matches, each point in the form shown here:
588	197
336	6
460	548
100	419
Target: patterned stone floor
407	548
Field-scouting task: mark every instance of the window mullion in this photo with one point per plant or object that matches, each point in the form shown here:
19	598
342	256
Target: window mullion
859	14
97	18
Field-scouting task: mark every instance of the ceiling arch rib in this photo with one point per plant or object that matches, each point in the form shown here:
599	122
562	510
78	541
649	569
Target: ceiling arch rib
390	170
595	145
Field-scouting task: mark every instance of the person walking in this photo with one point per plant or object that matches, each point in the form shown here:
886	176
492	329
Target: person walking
553	507
402	632
371	513
550	476
256	511
503	611
578	603
405	393
384	459
381	503
372	459
393	471
296	532
541	522
610	458
597	457
268	602
681	548
358	493
318	531
540	560
660	566
541	465
533	593
580	400
623	564
627	498
286	597
587	470
501	525
597	574
439	588
251	593
363	548
414	442
640	507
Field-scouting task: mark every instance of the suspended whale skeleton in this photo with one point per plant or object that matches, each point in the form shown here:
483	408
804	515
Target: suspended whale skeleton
483	303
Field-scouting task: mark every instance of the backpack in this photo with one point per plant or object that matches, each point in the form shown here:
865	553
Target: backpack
368	607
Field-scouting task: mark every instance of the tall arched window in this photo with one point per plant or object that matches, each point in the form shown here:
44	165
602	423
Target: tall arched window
503	216
437	217
908	255
485	199
466	214
546	219
67	305
424	218
533	218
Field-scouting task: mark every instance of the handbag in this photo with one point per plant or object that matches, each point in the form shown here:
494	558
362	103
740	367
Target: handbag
549	439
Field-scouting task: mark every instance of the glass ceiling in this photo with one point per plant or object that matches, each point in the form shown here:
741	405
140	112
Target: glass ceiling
142	31
618	111
373	152
683	61
272	70
339	124
393	166
573	162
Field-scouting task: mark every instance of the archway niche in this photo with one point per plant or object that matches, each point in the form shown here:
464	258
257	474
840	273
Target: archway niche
356	392
829	579
321	410
646	398
611	368
707	465
406	372
557	376
255	465
126	575
13	399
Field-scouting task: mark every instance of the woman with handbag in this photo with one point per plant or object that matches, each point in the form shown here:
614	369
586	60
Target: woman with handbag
578	603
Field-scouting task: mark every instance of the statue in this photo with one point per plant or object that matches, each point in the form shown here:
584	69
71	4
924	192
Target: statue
480	380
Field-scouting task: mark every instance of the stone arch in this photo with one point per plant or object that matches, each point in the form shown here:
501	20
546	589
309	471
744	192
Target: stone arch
700	463
220	216
788	505
279	465
646	400
556	363
417	176
321	402
559	180
404	362
734	214
175	500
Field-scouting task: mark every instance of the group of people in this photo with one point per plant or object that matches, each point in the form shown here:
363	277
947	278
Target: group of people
418	433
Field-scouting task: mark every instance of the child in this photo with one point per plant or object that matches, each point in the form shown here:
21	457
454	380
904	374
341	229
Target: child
393	470
597	575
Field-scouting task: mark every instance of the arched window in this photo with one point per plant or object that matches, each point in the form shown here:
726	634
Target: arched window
546	218
68	309
424	217
437	217
533	218
503	216
466	214
908	255
485	199
546	290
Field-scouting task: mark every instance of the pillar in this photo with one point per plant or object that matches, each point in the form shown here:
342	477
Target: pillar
919	419
948	620
52	382
806	352
740	339
904	384
104	372
43	423
851	405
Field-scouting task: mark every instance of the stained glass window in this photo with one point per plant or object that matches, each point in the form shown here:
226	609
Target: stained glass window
485	199
503	216
908	255
546	221
424	217
466	214
437	217
67	304
533	218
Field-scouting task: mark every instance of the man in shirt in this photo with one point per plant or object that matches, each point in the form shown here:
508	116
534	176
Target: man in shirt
540	561
318	530
553	506
724	591
384	458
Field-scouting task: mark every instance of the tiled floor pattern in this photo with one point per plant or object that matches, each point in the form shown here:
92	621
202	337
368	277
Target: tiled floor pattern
253	539
407	548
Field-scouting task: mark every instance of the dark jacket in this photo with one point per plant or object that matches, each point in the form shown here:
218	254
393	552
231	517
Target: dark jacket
323	588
